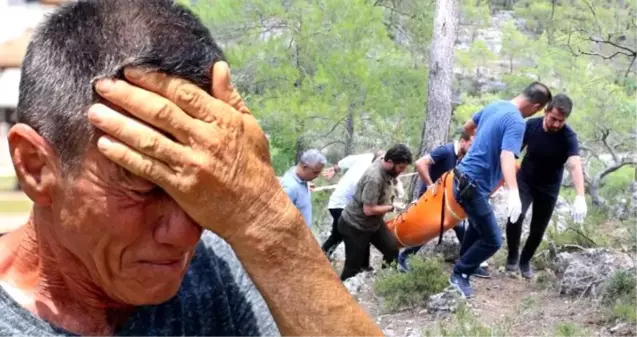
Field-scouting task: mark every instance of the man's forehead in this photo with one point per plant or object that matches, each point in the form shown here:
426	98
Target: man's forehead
556	113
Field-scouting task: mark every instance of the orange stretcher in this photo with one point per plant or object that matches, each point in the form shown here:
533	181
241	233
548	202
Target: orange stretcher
421	221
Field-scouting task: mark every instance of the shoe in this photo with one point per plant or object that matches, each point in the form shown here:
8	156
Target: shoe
402	263
481	273
526	271
461	283
512	265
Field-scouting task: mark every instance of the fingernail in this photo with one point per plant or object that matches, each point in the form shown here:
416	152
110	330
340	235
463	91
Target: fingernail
133	73
103	143
104	85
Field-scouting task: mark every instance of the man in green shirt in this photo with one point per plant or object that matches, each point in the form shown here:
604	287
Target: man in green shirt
362	220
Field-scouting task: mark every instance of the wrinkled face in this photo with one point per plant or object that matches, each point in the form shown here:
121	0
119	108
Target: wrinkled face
554	120
465	145
311	172
134	241
395	170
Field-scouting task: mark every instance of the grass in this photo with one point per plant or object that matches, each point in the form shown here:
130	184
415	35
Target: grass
620	296
466	323
401	290
570	330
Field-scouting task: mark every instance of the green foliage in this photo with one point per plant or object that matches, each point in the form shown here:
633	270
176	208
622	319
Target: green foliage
400	290
588	235
466	323
304	67
570	330
620	296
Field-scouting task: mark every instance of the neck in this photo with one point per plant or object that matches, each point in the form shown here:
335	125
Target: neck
299	172
520	103
50	282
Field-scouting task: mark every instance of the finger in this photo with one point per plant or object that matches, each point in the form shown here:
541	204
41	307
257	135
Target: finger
187	96
223	89
147	106
133	133
139	164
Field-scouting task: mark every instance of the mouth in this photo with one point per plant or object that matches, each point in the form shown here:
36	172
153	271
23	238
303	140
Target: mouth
175	265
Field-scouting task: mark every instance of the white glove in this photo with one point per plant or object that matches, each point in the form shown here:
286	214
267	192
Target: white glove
514	206
399	206
579	209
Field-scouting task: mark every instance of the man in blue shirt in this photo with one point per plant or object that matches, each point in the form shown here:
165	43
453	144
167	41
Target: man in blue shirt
500	129
295	181
550	144
431	167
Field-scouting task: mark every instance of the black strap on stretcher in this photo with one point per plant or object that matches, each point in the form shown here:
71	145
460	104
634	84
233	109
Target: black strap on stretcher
442	211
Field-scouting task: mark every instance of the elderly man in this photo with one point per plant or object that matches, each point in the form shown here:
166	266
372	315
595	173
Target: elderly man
156	209
296	179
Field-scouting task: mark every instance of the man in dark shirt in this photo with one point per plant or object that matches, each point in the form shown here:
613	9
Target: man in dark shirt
499	129
550	144
361	222
431	167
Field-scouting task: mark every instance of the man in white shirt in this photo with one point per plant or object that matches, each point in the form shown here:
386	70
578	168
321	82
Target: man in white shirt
355	165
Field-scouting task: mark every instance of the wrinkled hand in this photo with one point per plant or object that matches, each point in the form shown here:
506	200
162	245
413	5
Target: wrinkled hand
579	209
514	206
215	162
328	173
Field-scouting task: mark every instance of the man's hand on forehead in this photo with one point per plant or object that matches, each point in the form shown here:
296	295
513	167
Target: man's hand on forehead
217	167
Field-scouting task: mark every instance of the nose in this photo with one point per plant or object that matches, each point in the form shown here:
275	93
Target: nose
175	227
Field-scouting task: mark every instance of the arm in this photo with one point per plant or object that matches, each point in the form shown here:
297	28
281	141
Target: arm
511	145
370	197
574	164
371	210
343	164
258	220
507	161
422	167
297	282
471	125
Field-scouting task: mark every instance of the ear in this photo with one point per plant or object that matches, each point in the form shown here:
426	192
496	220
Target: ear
35	163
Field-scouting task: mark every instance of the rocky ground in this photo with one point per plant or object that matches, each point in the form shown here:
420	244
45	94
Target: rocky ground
563	299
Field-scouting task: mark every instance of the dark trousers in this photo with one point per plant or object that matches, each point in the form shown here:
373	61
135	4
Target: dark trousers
543	205
357	247
335	237
459	229
482	238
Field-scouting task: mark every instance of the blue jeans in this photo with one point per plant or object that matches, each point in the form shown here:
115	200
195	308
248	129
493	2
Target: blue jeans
482	238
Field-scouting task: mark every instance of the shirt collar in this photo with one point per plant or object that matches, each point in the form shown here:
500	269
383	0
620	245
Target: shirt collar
296	176
456	147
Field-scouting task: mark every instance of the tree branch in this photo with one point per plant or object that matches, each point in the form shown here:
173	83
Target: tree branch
332	143
630	66
333	127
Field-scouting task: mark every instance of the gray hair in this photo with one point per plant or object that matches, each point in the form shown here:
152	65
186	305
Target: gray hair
313	157
55	88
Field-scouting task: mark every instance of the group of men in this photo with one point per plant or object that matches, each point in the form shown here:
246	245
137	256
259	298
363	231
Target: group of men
484	154
156	210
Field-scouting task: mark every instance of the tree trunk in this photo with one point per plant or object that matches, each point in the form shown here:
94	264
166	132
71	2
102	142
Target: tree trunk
439	96
349	128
